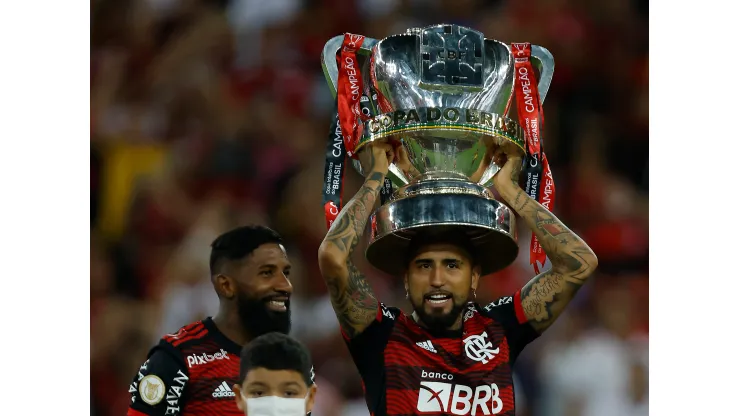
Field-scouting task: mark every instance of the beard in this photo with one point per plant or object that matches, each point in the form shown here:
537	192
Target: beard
258	319
439	322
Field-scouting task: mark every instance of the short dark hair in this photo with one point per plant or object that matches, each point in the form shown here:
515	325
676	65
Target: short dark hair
239	243
276	351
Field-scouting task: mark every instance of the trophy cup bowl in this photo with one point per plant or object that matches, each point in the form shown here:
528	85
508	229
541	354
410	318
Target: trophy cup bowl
444	95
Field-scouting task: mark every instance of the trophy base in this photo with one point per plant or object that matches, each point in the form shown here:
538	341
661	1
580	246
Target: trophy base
489	224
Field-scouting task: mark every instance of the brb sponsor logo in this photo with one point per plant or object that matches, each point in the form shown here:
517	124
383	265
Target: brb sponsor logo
458	399
204	358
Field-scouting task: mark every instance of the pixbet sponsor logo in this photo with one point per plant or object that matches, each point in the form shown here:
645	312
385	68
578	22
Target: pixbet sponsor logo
204	358
458	399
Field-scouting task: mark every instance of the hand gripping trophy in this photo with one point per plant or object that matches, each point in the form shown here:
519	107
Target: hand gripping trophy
456	104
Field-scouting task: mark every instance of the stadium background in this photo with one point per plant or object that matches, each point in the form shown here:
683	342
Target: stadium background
208	114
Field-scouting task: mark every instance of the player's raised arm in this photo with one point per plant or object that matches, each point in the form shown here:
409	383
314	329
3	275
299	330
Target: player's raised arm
545	296
351	294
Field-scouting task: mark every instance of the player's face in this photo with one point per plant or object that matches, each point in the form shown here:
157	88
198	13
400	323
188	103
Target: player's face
438	281
274	392
264	289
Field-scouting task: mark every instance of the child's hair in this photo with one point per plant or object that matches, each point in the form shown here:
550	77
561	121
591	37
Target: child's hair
276	351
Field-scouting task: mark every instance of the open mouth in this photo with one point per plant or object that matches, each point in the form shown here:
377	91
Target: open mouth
438	299
277	303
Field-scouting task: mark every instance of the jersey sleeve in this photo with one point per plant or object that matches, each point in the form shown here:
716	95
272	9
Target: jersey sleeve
367	347
509	313
157	389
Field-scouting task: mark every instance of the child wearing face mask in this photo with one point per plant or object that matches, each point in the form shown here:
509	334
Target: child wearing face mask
275	377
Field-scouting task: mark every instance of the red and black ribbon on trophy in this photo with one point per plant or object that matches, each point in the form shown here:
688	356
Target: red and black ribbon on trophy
540	185
354	105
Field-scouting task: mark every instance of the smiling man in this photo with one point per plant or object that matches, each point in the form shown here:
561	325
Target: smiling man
451	356
191	371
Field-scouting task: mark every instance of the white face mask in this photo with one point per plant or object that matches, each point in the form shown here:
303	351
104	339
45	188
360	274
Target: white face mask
275	406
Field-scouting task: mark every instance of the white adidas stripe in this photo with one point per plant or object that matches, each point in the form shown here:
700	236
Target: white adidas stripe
427	345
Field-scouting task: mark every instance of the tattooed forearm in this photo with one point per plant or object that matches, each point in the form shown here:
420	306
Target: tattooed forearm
567	252
347	229
521	201
353	301
351	294
545	297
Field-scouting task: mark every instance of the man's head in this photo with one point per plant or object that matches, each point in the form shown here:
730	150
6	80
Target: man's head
441	274
249	270
275	377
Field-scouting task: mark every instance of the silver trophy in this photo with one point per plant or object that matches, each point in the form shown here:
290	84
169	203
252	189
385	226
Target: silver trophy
445	92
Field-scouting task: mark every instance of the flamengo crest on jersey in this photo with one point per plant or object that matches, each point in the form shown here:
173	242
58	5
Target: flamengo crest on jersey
478	348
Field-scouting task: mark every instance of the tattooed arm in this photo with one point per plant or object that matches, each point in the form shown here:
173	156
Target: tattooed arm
351	294
545	296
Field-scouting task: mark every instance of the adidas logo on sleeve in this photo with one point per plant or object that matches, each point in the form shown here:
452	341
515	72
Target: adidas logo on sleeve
223	390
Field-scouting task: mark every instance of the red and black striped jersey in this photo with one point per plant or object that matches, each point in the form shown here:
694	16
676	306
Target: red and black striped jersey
407	370
189	373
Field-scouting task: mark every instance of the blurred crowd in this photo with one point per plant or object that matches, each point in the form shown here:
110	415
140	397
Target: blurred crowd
208	114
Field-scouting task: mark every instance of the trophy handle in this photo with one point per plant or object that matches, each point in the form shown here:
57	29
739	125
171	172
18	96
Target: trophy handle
329	60
545	63
331	72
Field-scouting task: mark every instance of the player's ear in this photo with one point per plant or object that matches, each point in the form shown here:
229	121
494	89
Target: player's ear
238	394
475	277
311	397
224	285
